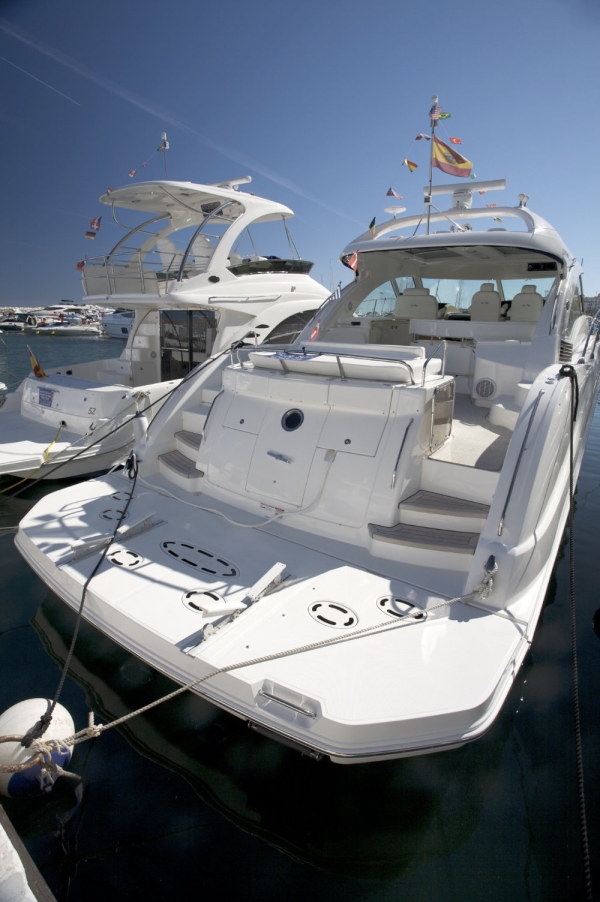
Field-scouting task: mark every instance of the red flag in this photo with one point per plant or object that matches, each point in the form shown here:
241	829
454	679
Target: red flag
91	235
427	137
95	223
392	193
132	172
81	264
455	141
35	366
315	331
110	190
353	261
491	205
412	166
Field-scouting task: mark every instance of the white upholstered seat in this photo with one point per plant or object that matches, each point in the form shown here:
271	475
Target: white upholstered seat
526	306
486	304
416	303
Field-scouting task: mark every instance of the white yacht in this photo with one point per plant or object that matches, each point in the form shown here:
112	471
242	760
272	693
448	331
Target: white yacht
346	541
195	283
118	324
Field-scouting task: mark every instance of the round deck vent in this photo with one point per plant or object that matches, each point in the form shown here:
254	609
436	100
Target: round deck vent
397	607
330	613
113	515
485	388
196	599
123	495
122	557
292	419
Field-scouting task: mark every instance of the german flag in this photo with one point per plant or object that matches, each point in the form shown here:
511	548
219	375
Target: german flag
35	366
449	161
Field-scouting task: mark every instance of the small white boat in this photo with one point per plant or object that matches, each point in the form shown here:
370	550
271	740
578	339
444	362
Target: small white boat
188	305
347	541
118	324
63	328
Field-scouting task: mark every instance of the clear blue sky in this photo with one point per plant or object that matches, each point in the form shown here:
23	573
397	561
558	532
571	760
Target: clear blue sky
319	101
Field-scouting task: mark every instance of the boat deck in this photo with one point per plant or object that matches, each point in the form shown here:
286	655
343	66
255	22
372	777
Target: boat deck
475	442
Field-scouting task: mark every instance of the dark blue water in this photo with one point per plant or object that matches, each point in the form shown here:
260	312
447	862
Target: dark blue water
186	801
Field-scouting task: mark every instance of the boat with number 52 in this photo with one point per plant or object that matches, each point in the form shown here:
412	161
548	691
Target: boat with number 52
347	540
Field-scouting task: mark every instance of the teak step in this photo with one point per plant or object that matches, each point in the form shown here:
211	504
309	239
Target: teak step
180	464
433	503
426	538
190	439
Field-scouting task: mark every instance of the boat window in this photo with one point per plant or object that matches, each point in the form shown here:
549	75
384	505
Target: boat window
382	300
186	339
513	287
289	329
454	292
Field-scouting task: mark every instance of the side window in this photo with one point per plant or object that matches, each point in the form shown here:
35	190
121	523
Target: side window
576	305
288	329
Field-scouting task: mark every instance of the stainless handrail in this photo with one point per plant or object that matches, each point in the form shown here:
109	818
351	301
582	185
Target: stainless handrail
523	446
203	433
349	357
443	373
593	328
401	450
197	232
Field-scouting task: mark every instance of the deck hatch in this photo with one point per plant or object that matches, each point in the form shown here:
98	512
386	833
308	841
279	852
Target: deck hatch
198	558
332	614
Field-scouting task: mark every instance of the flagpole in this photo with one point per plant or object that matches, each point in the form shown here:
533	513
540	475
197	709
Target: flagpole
434	101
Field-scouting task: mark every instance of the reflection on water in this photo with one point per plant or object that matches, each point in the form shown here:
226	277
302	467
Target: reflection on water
194	800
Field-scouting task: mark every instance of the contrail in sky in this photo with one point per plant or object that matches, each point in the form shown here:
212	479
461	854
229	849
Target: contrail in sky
39	80
148	107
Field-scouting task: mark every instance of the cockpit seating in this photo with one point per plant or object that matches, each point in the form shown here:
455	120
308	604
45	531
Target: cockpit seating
526	306
486	304
416	303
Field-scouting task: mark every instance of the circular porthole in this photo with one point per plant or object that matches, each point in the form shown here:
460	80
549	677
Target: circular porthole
292	419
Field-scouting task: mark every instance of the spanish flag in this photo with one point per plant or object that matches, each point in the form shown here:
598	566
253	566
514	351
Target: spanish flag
35	366
449	161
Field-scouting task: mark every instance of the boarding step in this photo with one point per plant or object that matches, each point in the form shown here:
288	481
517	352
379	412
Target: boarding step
209	395
433	510
425	538
469	483
174	462
188	443
504	412
195	418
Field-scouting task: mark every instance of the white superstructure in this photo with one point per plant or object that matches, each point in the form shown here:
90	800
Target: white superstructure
191	294
353	534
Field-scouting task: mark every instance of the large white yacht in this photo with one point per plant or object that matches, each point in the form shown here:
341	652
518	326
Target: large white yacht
355	555
195	283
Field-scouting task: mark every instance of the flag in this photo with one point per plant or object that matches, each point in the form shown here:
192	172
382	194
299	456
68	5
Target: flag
132	172
144	165
412	166
427	137
455	140
435	111
95	223
164	146
81	264
392	193
337	293
91	235
472	176
352	261
35	366
445	116
372	226
449	161
110	190
315	331
491	205
481	192
497	219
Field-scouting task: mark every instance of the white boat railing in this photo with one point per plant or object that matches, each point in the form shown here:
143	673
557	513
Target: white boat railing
534	408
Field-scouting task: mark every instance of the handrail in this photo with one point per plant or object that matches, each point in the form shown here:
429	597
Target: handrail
443	373
411	421
523	446
197	232
349	357
137	229
593	328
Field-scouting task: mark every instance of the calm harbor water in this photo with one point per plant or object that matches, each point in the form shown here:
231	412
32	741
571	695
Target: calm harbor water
186	799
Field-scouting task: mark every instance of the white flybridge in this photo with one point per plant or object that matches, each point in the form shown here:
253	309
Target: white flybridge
355	556
194	278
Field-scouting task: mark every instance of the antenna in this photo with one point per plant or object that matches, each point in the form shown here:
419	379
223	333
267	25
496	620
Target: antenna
434	103
163	149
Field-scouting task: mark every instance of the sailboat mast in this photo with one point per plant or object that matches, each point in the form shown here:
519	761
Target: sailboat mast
434	103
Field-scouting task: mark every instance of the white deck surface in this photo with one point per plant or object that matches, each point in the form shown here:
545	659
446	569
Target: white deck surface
474	442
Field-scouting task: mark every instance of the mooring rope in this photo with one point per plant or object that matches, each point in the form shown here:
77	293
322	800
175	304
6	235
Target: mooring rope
482	590
570	372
